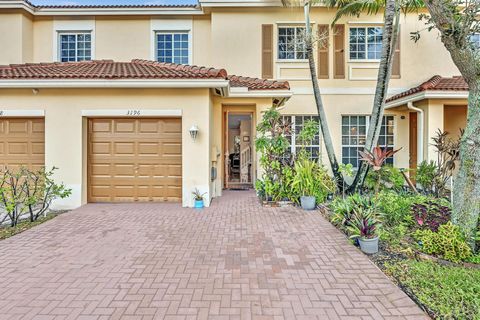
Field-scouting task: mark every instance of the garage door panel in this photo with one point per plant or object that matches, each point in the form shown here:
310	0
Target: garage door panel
18	126
124	148
125	126
22	143
101	148
135	160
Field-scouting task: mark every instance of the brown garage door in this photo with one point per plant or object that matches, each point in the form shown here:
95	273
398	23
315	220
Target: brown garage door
134	160
22	143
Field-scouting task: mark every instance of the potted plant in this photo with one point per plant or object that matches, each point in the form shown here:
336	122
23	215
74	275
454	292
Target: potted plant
198	197
364	227
304	183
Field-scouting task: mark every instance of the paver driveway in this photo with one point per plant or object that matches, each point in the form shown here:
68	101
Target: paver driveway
232	260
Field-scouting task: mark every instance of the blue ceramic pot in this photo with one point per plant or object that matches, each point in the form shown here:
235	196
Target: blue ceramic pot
198	204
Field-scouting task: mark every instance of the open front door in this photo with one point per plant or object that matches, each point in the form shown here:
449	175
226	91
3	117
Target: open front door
238	150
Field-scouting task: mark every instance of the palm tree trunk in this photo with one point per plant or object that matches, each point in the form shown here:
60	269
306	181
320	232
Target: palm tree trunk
327	138
390	35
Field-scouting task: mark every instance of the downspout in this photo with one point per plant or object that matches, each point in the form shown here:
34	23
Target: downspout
419	131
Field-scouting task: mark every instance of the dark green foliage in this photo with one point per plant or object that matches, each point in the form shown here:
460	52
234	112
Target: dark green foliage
448	292
386	178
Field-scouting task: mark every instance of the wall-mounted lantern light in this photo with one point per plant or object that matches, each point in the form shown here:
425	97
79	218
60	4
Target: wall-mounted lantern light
193	132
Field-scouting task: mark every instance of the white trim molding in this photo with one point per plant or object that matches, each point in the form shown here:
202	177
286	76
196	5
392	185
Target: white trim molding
352	78
243	3
72	26
343	91
132	112
427	95
21	113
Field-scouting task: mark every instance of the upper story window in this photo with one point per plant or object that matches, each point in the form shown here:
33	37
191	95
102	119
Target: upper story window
365	43
291	43
173	47
75	46
475	39
354	134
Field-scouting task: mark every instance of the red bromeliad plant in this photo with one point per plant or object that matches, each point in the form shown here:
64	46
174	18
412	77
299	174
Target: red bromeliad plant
376	159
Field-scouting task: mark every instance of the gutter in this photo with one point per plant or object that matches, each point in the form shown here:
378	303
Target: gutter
420	130
427	95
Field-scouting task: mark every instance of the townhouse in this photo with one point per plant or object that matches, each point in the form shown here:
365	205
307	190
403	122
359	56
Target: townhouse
147	103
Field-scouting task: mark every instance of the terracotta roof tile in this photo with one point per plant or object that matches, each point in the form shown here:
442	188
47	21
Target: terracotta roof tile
135	69
436	83
257	84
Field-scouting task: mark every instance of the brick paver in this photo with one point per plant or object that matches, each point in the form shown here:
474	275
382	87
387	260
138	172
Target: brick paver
234	260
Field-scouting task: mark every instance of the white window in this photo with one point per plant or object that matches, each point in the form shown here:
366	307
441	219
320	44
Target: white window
475	39
291	43
354	134
75	46
365	43
296	125
172	47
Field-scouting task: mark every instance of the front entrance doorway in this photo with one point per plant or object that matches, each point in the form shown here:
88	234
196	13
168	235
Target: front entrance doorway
238	150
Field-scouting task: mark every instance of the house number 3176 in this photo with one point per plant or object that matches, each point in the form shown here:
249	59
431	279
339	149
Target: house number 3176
133	112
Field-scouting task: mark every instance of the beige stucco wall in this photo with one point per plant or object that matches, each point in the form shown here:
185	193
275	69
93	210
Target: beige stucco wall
455	118
65	133
43	40
122	39
16	37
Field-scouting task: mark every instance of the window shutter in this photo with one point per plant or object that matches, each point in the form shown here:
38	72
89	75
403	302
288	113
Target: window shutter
267	51
339	51
323	51
396	59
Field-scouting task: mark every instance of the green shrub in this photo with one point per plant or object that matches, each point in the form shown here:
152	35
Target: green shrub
343	209
311	179
426	175
448	243
395	207
449	292
391	178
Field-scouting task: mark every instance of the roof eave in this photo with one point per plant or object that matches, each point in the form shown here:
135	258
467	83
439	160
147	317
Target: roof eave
113	83
428	94
89	11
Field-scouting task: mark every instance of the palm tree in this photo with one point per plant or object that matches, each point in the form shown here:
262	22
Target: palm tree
327	138
392	10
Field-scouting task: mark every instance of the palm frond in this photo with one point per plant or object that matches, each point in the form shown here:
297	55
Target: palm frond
354	7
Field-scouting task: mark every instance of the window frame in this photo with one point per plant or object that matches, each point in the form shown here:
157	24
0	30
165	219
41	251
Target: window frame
367	125
293	134
278	58
366	59
475	39
173	32
75	33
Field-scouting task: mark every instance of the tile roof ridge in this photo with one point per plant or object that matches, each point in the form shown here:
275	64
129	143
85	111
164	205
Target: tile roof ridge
218	73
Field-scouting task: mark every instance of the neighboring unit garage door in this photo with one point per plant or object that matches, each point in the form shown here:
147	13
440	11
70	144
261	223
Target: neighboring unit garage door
134	160
22	143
